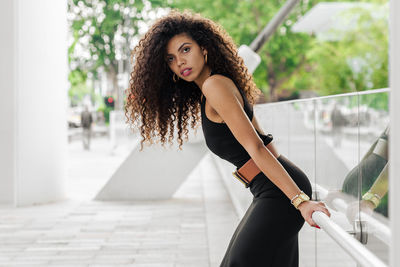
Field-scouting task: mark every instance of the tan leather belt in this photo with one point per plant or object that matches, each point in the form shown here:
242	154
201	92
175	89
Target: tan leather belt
247	172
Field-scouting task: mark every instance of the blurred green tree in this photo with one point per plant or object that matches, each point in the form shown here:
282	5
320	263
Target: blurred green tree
104	32
296	61
357	61
78	86
285	52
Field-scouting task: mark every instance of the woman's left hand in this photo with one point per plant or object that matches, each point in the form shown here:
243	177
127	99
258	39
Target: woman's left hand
308	207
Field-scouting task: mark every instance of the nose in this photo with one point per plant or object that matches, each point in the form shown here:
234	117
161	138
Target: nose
180	61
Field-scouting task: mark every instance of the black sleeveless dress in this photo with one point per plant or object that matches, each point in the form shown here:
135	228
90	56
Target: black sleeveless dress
267	235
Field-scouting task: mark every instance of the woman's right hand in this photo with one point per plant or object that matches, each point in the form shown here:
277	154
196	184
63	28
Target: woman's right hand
307	208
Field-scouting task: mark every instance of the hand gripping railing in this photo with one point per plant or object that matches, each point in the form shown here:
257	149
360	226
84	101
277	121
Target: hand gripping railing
354	248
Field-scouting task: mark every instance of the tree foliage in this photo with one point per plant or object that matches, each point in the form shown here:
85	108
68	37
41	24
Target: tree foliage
296	61
104	32
79	87
282	56
358	61
98	28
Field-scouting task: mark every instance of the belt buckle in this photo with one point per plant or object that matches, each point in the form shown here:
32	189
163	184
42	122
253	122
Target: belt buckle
240	178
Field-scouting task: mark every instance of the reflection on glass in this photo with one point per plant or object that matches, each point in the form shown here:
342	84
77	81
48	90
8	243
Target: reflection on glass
363	125
341	142
373	204
376	124
374	177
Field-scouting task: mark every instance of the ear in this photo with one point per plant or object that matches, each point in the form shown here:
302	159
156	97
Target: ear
204	51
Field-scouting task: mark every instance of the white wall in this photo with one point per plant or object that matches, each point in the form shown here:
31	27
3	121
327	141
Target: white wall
33	124
7	89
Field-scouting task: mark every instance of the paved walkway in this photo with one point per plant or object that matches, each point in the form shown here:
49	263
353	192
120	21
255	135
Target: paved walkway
191	229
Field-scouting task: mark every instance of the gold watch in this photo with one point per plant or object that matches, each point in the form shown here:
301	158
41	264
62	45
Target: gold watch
373	198
299	198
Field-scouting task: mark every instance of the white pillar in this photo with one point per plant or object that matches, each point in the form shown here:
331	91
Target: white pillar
394	172
33	82
7	116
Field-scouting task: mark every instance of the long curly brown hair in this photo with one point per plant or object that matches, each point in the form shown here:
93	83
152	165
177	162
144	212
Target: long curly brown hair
155	103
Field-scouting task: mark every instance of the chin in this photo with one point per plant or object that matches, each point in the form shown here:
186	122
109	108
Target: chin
191	79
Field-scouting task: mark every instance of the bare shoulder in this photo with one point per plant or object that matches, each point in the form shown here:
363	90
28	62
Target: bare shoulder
217	80
219	86
224	97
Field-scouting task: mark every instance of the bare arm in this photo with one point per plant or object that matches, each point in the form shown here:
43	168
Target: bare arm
219	91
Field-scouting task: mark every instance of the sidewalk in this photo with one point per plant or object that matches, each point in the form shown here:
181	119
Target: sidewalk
191	229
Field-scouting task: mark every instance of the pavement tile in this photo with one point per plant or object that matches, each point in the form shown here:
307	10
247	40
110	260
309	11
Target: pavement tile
192	229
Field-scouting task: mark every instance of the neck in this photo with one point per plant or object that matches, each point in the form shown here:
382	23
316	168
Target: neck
205	73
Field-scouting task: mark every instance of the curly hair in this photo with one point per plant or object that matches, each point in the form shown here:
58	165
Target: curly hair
155	103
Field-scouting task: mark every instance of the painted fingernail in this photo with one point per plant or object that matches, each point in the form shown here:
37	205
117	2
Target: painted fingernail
317	227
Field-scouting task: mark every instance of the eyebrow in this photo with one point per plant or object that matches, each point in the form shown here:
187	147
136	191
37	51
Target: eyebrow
179	47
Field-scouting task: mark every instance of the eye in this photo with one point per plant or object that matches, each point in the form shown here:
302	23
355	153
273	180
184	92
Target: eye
169	59
188	49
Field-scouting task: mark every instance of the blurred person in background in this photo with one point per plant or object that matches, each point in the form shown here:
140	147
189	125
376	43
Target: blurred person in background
86	123
338	122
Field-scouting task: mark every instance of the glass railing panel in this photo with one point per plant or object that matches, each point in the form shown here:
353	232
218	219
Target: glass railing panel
274	119
337	152
333	140
302	153
301	136
373	172
265	114
336	140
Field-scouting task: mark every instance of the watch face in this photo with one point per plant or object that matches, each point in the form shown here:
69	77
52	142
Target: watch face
304	197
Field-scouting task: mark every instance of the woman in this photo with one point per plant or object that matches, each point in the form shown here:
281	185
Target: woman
185	65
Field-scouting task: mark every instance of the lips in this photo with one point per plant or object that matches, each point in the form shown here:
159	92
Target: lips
186	71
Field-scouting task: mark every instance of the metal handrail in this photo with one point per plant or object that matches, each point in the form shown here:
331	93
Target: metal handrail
374	91
355	249
380	230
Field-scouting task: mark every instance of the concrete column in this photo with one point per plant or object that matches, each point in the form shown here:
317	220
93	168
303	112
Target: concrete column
33	82
394	171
